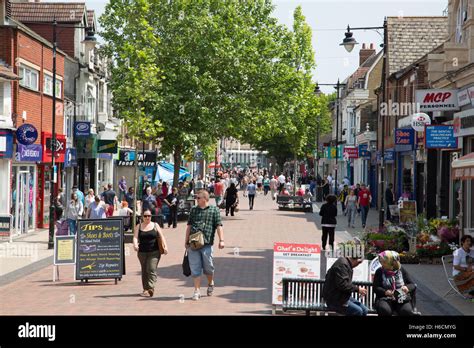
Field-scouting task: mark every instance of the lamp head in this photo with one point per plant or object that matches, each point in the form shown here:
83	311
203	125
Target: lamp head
349	42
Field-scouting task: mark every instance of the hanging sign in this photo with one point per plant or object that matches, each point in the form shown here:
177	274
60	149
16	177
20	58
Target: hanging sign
26	134
419	121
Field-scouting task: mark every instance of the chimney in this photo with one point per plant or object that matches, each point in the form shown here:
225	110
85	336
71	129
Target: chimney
365	53
5	11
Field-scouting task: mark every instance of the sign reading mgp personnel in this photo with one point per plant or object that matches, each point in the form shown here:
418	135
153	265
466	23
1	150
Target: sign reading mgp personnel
99	249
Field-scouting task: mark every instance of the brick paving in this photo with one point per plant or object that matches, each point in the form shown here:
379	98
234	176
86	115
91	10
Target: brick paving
243	281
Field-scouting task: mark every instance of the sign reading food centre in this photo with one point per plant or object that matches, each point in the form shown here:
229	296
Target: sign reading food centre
292	260
437	99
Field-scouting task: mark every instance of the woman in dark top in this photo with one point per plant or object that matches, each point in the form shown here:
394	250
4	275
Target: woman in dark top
145	241
328	212
393	287
231	199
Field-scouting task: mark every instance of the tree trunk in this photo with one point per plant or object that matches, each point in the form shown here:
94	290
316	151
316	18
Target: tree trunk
177	165
294	180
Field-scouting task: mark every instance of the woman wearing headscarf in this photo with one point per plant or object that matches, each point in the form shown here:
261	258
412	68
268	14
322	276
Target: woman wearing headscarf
231	199
393	287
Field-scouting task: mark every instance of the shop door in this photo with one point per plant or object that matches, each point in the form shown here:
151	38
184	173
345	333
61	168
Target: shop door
23	209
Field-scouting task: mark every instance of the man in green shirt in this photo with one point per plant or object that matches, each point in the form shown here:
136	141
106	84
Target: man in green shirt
205	218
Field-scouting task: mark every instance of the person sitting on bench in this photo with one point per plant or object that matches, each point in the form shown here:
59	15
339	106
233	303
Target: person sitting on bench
462	267
393	286
338	288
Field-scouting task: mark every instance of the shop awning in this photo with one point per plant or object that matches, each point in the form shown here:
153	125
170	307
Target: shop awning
165	172
463	167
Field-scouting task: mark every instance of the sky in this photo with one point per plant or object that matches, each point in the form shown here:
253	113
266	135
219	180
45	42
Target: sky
329	19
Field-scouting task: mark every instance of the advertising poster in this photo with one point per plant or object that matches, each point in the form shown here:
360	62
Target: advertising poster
408	211
100	253
65	250
291	260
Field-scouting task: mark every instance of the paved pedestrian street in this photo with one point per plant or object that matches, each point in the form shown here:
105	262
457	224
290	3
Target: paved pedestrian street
243	273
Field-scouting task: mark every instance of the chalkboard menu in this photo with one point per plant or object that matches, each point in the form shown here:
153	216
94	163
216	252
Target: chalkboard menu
100	249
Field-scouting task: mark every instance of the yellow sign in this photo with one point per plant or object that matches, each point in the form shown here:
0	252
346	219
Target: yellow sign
65	250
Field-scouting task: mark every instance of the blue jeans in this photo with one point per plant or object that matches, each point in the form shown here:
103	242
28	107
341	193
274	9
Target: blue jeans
201	260
364	211
355	308
72	227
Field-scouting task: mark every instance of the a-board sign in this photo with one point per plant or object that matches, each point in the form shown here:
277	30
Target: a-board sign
408	211
361	272
291	260
64	250
5	225
100	253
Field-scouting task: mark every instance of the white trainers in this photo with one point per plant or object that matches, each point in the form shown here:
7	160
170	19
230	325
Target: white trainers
196	295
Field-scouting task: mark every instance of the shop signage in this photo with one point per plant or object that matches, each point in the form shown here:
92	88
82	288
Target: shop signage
107	146
26	134
100	253
408	211
463	173
463	97
419	121
6	143
389	156
198	155
332	152
29	153
404	139
86	147
5	225
437	100
146	159
64	250
440	137
70	159
351	152
60	147
294	261
463	123
82	129
363	151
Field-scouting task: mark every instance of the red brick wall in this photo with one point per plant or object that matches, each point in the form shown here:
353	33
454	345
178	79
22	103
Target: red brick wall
64	36
37	105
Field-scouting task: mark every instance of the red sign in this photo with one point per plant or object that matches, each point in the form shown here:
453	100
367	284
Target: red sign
60	148
297	248
351	152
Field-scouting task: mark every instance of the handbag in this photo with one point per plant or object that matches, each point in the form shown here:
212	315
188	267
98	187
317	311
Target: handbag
196	240
186	267
161	244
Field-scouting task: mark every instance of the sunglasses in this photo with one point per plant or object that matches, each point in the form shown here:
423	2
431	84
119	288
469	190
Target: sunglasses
146	216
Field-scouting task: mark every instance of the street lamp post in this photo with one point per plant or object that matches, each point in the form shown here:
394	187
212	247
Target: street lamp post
349	42
89	39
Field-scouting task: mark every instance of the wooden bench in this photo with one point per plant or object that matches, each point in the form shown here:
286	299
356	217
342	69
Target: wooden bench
294	203
307	295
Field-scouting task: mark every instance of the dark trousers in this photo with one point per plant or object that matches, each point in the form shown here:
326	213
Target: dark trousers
389	307
231	208
173	217
280	187
251	199
387	207
328	231
265	190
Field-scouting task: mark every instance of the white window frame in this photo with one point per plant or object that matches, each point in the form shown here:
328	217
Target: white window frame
28	75
59	84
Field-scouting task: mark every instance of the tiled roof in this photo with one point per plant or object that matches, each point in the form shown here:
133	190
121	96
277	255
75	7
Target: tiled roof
90	18
30	12
362	71
410	38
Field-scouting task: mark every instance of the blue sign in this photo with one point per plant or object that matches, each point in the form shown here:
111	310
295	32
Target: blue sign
404	139
106	156
389	156
363	151
29	153
70	159
26	134
440	137
82	129
6	143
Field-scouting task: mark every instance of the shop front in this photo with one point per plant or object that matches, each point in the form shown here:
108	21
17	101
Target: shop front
6	154
85	172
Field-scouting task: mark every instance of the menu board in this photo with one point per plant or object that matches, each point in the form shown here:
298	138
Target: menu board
65	250
360	273
408	211
291	260
100	249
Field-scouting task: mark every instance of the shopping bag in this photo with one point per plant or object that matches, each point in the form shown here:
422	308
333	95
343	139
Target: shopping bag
186	268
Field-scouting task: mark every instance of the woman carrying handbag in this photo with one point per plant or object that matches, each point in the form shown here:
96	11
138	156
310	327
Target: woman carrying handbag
149	242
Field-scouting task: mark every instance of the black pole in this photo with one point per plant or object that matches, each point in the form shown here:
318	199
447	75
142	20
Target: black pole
317	147
53	146
382	153
215	160
337	134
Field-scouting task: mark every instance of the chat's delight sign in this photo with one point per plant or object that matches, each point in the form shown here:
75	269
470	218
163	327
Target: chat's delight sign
291	260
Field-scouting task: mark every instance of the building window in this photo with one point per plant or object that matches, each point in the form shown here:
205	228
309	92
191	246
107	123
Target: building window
48	86
29	77
2	101
461	18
